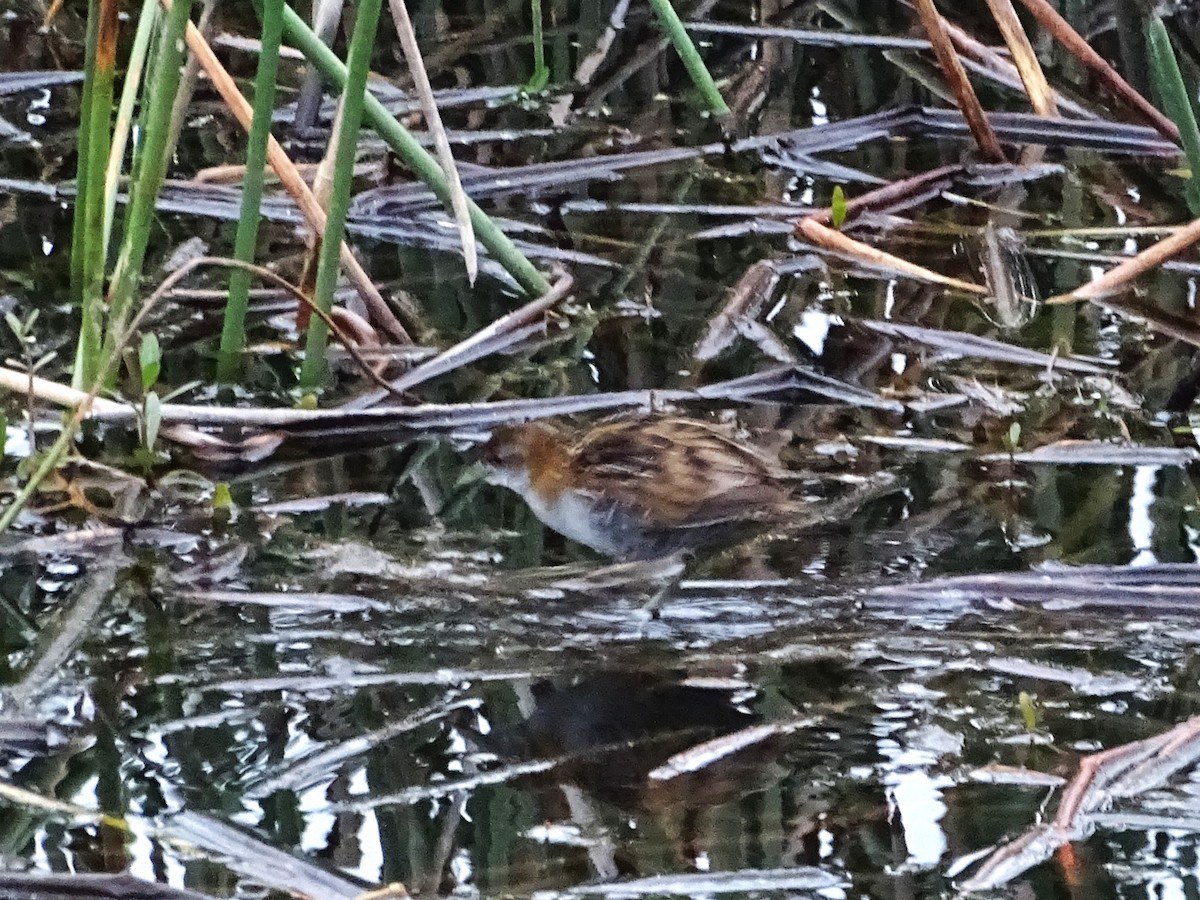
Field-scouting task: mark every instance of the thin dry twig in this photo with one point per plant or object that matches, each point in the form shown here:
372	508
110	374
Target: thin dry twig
956	77
441	143
334	320
457	416
484	342
1000	68
1062	32
746	299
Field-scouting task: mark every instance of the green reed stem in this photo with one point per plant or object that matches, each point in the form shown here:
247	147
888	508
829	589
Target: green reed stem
134	70
149	169
233	328
691	56
541	73
1168	79
358	65
421	161
78	225
88	226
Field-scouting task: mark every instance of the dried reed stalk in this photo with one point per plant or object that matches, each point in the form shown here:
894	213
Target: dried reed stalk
1041	95
956	77
871	256
1062	32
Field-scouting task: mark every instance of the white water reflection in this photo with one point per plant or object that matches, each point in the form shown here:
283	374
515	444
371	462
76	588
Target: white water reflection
1141	523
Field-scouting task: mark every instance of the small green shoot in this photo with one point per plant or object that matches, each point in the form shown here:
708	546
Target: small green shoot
1031	713
150	422
150	360
222	499
3	435
21	330
1012	440
151	419
838	207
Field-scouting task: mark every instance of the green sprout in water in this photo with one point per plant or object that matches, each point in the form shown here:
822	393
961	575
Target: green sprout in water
149	360
1012	440
838	207
1031	713
222	499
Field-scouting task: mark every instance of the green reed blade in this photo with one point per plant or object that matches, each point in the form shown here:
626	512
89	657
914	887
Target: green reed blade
78	225
1168	80
233	328
87	249
149	169
134	71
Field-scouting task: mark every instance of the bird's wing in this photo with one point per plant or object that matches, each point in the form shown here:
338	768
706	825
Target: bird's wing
676	473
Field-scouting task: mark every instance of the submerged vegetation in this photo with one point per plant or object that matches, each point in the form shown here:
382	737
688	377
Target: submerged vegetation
273	273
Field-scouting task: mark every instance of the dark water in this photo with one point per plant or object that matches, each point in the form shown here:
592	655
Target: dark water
401	689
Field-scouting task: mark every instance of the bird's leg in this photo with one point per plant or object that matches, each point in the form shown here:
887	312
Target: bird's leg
671	570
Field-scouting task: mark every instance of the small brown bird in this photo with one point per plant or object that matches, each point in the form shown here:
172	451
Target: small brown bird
641	488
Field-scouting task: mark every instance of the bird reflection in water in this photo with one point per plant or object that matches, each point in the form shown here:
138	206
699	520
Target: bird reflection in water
614	733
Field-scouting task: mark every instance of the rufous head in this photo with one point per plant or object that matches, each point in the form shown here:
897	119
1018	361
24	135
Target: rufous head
516	454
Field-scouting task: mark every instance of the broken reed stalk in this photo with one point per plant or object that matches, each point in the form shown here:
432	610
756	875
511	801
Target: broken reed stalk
1062	32
290	178
692	61
837	242
358	60
1123	771
233	325
956	77
1000	69
433	121
481	343
87	230
1037	88
417	157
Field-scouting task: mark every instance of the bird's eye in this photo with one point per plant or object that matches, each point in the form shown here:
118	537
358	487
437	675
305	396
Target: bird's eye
501	453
